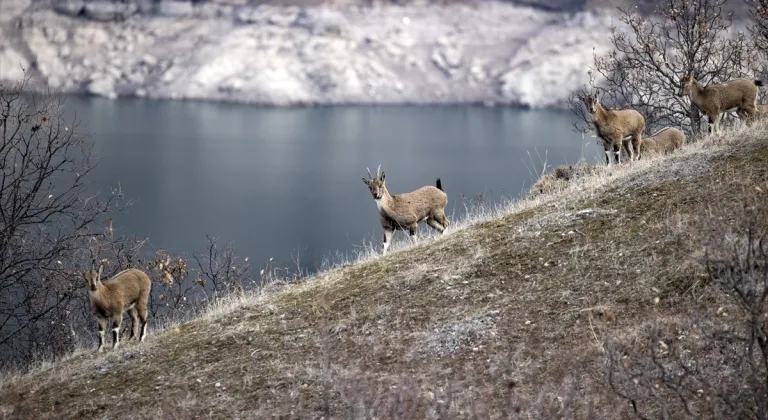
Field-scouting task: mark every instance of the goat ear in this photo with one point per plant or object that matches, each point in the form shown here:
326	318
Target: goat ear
365	181
100	268
383	175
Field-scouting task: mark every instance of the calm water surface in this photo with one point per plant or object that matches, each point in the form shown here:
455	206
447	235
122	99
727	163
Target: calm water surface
288	182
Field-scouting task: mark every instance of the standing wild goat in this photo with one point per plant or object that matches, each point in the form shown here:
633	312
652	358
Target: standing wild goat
613	125
664	141
713	100
127	290
405	211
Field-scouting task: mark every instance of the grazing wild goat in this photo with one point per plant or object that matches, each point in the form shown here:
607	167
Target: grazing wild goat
664	141
407	210
613	125
127	290
714	100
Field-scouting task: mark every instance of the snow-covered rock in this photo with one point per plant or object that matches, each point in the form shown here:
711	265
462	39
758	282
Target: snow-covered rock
102	85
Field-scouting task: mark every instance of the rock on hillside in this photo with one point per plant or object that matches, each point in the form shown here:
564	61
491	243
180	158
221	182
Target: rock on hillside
491	53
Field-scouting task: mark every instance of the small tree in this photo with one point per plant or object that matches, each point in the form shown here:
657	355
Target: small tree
652	53
759	26
47	220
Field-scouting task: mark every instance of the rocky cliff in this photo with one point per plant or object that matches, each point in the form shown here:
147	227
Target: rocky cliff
487	52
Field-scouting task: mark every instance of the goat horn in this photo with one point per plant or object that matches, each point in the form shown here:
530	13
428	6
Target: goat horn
369	173
378	171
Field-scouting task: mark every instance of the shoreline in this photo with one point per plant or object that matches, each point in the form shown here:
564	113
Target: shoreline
491	54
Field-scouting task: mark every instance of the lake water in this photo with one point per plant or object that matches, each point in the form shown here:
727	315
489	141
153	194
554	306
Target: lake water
284	183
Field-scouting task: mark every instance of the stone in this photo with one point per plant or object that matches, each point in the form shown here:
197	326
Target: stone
102	85
447	58
149	60
248	15
136	78
145	7
452	56
114	72
284	19
554	5
232	86
213	11
91	36
107	11
322	21
169	75
69	7
12	65
477	71
174	8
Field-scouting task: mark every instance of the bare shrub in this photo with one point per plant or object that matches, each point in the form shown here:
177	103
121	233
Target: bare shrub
715	364
184	290
651	54
759	25
52	228
220	268
48	222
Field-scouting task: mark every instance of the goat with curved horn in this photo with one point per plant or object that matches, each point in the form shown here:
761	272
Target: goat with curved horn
407	210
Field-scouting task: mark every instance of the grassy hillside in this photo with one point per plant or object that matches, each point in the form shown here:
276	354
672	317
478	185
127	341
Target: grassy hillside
506	317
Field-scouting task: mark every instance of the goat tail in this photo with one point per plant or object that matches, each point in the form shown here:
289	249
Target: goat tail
758	82
439	184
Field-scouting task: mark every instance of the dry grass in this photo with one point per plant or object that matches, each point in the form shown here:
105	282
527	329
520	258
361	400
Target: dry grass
558	179
504	316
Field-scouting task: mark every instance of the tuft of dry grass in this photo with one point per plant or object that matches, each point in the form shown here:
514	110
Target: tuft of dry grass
558	179
506	315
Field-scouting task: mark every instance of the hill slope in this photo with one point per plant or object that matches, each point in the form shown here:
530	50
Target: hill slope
505	316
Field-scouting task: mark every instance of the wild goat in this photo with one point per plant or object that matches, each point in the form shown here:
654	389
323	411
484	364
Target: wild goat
713	100
127	290
612	126
664	141
407	210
